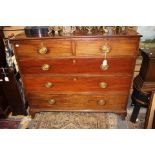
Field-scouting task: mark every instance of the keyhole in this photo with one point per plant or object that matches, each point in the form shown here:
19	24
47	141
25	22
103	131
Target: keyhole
74	61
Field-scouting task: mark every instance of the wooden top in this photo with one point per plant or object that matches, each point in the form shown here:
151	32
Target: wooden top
127	33
149	52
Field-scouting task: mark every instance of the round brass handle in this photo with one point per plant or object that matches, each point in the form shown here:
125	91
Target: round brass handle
105	49
43	50
103	85
45	67
104	67
101	102
48	84
51	101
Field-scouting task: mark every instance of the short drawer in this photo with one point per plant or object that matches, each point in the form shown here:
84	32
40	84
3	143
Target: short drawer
77	102
117	47
77	65
70	84
43	48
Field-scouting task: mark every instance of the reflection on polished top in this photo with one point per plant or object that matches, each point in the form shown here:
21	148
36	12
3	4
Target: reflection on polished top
78	34
149	52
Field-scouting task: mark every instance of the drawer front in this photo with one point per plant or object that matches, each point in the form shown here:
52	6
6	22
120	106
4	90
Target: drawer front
78	102
36	48
117	47
69	84
77	65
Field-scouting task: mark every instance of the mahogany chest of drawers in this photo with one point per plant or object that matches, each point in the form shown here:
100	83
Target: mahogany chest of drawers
65	73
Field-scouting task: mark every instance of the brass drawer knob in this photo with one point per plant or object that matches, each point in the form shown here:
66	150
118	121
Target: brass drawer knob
51	101
101	102
104	67
105	48
42	50
48	84
103	85
45	67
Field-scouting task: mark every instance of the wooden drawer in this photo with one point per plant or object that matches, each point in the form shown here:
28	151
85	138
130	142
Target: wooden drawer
30	48
77	65
118	47
77	102
70	84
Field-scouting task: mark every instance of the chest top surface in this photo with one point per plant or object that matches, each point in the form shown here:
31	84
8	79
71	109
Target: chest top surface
99	35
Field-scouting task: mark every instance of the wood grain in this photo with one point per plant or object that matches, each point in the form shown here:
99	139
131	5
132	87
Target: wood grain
126	47
121	66
78	102
150	112
30	48
77	84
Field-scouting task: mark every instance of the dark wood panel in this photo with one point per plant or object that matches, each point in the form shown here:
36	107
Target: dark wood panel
147	72
2	49
77	102
78	65
11	91
76	83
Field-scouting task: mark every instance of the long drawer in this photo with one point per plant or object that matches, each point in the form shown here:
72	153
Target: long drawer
77	102
77	65
100	84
